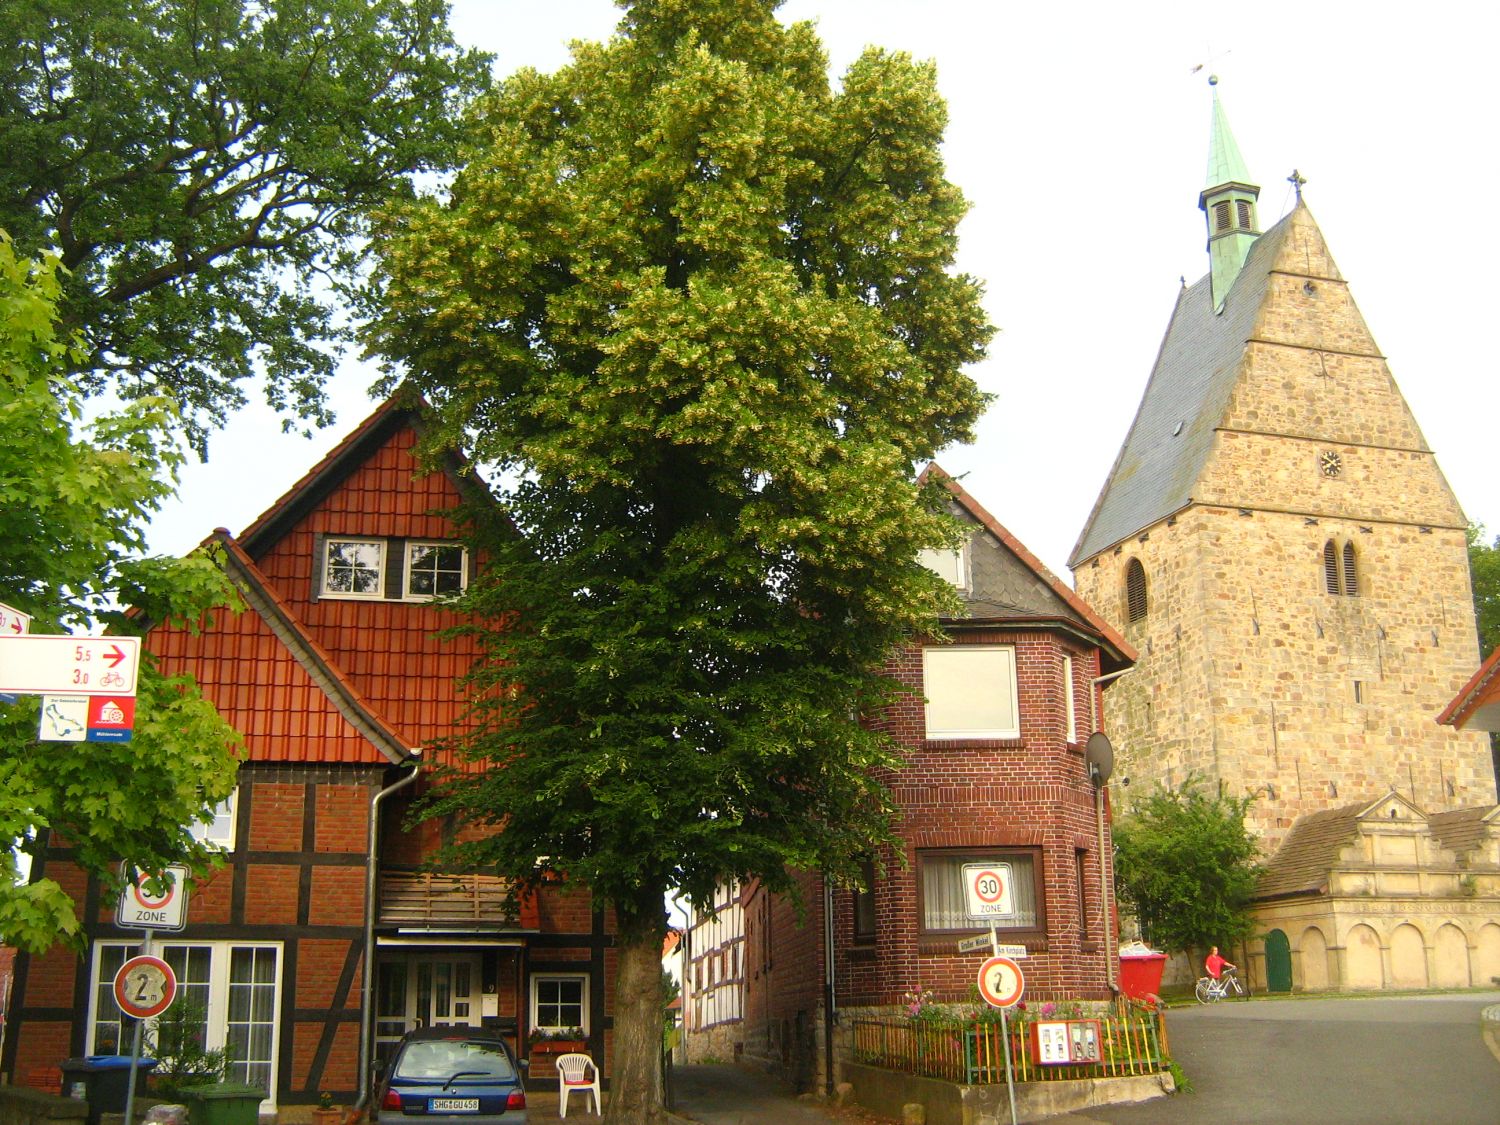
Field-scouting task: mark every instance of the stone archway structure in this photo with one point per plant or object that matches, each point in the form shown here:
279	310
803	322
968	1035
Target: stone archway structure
1382	895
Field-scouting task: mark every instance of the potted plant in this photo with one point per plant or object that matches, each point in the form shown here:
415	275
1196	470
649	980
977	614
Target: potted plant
326	1112
557	1040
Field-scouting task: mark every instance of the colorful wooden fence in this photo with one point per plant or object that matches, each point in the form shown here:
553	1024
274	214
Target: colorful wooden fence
973	1052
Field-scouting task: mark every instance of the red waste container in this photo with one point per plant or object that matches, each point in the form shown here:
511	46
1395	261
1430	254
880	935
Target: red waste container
1140	974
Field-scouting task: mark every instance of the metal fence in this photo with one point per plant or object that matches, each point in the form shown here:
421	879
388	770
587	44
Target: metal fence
973	1052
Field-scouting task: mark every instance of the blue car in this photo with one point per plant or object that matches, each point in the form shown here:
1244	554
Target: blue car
452	1076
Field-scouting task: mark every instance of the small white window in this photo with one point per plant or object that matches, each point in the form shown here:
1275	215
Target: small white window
435	570
971	691
1068	704
220	832
354	568
559	1002
951	566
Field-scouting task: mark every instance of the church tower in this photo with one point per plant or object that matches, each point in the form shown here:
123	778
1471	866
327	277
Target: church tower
1278	543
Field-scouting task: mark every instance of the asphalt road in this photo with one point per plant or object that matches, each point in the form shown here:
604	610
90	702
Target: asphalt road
1390	1060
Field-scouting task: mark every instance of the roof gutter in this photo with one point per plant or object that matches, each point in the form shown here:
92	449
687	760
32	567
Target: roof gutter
367	985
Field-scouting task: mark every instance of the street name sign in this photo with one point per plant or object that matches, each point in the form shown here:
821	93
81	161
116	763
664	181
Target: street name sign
975	944
39	664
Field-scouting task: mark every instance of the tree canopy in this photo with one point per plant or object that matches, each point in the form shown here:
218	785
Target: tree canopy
698	311
203	170
1186	865
76	499
1484	569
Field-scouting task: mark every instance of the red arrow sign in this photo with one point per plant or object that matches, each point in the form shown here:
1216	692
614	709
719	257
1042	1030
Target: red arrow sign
114	656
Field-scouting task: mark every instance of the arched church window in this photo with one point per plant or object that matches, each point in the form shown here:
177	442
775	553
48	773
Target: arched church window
1351	576
1135	590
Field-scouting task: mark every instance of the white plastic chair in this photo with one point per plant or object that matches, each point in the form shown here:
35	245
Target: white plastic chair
576	1072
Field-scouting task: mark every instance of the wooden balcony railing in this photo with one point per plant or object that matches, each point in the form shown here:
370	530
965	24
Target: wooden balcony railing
418	898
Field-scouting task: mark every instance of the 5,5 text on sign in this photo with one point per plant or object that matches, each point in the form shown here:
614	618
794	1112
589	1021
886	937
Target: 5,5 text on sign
58	665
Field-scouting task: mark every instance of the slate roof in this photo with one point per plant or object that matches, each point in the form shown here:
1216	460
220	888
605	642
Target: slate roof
1461	831
1172	435
1311	848
1047	602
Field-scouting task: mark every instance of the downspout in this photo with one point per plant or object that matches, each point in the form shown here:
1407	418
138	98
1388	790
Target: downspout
829	1015
1106	862
367	986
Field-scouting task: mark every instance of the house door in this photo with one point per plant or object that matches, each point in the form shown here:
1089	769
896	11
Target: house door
424	990
1278	962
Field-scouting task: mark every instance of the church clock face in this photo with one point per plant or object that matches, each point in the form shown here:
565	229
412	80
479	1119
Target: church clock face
1331	463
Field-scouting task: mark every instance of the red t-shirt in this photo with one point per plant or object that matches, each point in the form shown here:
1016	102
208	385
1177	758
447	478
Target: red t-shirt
1214	963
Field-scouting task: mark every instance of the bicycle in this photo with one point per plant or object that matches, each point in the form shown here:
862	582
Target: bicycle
1210	991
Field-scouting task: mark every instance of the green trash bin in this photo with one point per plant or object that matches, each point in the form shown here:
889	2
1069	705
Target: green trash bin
227	1103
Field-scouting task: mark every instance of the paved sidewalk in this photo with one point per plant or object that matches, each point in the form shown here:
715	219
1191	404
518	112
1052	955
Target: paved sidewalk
713	1095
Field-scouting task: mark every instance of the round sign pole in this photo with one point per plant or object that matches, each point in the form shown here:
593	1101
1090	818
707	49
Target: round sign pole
1001	984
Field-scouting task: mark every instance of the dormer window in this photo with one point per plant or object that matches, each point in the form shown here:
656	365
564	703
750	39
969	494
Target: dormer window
353	568
950	565
434	570
390	569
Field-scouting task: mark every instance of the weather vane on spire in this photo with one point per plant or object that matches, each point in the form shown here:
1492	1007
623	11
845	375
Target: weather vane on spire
1213	79
1296	179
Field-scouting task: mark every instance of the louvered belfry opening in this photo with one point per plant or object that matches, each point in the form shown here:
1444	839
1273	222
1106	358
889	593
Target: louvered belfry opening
1221	215
1340	569
1243	207
1135	590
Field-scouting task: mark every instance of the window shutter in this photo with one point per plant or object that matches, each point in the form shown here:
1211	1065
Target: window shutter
320	560
1135	590
395	569
1331	567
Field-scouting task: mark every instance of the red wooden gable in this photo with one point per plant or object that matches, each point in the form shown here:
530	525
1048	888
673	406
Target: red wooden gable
318	679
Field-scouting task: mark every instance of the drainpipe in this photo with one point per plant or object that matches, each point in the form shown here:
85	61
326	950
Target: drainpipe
1106	862
367	987
829	1014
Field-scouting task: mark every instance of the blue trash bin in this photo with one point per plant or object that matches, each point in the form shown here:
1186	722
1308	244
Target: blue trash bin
103	1081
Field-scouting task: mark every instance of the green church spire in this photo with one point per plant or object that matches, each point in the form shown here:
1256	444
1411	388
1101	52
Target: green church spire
1228	202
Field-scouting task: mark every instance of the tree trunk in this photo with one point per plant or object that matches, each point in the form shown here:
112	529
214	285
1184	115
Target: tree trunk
635	1093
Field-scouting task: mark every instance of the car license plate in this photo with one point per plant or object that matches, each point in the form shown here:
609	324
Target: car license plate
452	1105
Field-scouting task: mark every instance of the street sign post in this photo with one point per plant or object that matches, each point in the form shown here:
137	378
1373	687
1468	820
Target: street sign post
39	664
140	909
1001	984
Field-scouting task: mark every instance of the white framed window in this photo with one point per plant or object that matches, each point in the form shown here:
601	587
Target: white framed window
559	1000
353	568
953	566
234	986
971	691
944	902
434	570
220	832
1069	706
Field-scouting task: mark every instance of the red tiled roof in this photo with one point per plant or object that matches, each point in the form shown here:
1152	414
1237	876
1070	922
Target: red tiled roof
1478	703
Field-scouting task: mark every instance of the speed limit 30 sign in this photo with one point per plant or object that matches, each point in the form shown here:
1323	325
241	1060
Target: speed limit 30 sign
987	888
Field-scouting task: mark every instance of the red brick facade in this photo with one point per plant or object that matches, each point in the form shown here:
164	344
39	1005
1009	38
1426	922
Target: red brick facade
1028	794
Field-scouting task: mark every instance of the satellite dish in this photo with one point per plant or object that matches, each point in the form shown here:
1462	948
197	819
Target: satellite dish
1099	753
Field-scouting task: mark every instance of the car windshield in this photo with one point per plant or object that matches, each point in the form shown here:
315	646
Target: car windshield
427	1059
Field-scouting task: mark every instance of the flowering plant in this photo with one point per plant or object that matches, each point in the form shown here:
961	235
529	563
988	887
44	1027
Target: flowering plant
920	1005
550	1034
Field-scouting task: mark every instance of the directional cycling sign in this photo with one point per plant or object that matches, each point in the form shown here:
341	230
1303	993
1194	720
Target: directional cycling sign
42	664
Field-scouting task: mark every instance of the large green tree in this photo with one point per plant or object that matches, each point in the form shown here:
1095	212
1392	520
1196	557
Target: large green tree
698	311
1186	865
76	499
1484	570
204	169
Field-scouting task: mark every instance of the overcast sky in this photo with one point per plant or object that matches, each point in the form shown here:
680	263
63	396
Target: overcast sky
1079	133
